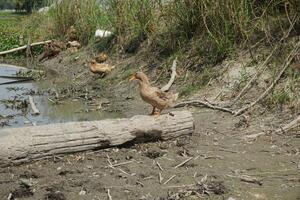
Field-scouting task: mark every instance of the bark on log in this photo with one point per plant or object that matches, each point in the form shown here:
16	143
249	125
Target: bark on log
20	145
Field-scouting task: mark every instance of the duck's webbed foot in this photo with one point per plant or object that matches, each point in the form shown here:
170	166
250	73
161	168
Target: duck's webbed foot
157	114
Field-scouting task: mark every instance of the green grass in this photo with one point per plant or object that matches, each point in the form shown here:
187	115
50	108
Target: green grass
85	15
201	80
188	89
10	30
216	28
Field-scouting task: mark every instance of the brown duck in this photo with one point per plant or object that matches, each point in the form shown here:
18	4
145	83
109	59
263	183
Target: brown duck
101	68
153	95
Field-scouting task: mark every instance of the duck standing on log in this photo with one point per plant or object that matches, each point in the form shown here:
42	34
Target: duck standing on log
153	95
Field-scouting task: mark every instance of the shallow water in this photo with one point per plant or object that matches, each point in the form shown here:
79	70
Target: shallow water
70	110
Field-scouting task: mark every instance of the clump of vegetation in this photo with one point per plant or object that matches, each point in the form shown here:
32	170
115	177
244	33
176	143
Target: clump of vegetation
132	21
216	28
84	15
221	26
9	30
28	5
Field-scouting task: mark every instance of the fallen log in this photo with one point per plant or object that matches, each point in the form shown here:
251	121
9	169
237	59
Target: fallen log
24	47
21	145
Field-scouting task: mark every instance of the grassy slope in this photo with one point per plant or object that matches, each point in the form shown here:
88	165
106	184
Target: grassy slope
202	35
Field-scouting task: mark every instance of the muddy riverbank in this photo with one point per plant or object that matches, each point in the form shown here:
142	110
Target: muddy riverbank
220	164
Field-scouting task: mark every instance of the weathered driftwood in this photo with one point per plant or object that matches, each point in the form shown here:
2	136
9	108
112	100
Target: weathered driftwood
172	79
35	110
19	145
24	47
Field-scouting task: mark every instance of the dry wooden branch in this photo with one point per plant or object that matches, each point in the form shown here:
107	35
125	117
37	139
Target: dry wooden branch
167	181
254	77
249	179
183	163
159	166
123	163
19	145
259	71
24	47
35	111
205	104
172	79
266	92
160	178
108	195
293	124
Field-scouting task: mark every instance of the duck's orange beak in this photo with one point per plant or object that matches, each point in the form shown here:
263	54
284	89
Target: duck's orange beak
133	77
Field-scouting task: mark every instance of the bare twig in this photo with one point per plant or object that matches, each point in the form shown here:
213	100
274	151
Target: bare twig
261	68
167	181
158	77
183	163
123	163
249	179
108	195
159	166
109	162
212	157
205	104
172	79
140	183
228	150
33	106
147	178
160	178
266	92
293	124
254	77
24	47
180	186
121	170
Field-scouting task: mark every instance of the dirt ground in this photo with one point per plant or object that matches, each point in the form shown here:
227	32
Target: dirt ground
220	160
220	164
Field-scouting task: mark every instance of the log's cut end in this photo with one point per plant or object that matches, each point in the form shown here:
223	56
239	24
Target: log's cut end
19	145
